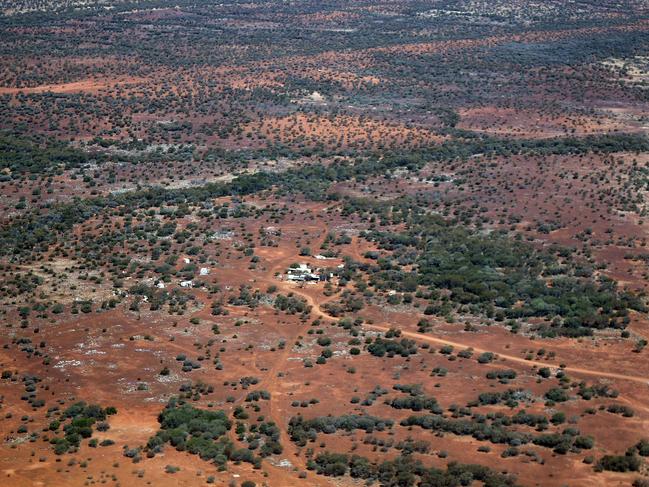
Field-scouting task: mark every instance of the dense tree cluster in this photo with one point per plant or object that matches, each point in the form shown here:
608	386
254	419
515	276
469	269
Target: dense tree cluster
20	155
82	417
493	274
200	432
406	472
302	430
496	431
382	346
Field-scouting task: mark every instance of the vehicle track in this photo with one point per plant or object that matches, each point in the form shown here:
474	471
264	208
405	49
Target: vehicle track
383	327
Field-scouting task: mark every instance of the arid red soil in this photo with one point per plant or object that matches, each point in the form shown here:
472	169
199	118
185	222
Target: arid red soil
165	168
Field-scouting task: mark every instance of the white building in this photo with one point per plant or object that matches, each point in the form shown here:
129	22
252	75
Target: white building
301	273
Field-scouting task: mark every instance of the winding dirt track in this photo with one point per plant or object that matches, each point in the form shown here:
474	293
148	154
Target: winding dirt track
383	327
512	358
273	384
